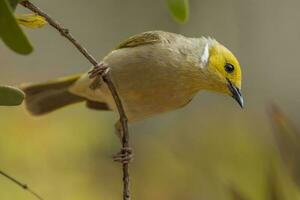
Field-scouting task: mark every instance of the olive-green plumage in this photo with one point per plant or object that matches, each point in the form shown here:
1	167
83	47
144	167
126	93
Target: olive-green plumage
154	72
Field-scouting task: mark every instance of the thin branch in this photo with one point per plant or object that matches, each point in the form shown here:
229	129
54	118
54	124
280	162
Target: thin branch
125	135
22	185
106	77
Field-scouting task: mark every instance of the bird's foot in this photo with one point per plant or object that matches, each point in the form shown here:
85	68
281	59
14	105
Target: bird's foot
96	73
124	156
99	70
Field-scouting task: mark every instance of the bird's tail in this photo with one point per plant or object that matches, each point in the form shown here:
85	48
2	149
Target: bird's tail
49	96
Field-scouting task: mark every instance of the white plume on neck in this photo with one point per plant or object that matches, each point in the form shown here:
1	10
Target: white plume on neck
204	57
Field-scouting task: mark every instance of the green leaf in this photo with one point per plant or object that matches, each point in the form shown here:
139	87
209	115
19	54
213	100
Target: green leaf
10	96
287	138
10	32
179	9
14	3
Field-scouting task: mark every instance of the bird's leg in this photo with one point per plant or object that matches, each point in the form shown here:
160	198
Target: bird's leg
96	73
125	155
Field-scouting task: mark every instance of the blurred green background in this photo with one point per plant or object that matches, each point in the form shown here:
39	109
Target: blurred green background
209	150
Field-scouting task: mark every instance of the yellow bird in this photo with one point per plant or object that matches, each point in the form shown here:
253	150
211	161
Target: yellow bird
154	72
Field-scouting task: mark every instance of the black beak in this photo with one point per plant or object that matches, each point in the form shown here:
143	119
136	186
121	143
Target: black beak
236	93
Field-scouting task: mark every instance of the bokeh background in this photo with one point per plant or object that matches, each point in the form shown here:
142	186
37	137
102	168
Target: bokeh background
209	150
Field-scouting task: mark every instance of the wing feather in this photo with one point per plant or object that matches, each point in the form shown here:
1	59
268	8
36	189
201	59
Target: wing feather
150	37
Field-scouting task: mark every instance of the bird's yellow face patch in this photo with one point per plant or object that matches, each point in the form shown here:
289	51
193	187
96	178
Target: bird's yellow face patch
225	67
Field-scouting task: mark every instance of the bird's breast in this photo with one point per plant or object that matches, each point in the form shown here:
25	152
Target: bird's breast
149	80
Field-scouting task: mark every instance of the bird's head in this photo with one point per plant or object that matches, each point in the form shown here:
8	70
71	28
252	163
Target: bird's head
222	70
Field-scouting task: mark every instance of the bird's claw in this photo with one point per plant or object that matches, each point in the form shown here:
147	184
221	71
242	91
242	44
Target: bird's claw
96	73
124	156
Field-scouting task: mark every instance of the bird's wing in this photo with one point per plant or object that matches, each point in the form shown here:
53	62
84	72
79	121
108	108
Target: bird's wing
150	37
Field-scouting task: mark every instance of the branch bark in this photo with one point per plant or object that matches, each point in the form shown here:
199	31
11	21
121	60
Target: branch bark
106	77
22	185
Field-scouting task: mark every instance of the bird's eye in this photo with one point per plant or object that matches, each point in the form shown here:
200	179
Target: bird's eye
229	68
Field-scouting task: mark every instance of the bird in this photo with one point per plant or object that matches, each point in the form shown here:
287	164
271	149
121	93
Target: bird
154	72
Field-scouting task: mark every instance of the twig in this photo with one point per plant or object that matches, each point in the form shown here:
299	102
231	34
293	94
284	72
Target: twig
125	135
106	77
22	185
